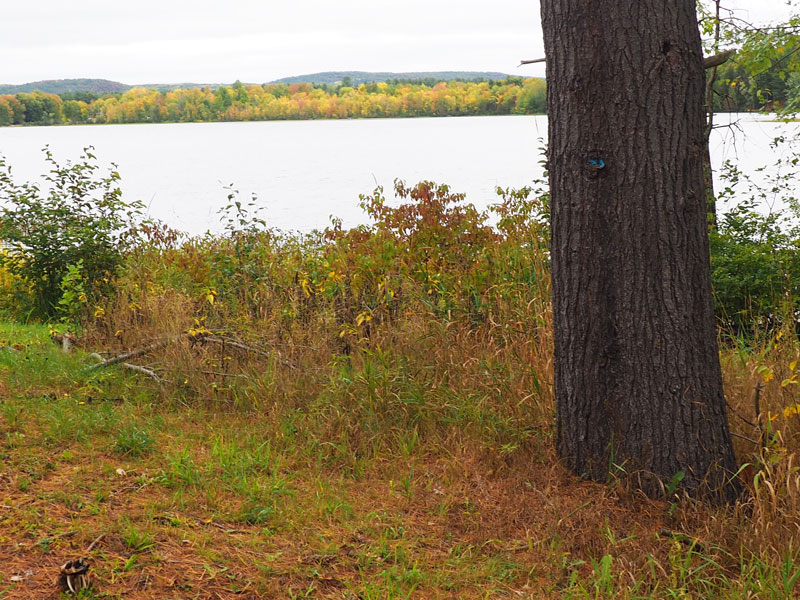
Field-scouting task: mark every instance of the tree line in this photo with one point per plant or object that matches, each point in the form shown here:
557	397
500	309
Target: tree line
279	101
738	89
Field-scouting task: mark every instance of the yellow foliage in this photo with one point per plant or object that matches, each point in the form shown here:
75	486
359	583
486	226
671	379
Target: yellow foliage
790	411
766	373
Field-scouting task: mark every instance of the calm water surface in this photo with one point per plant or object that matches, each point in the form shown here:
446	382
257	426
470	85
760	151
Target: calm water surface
305	171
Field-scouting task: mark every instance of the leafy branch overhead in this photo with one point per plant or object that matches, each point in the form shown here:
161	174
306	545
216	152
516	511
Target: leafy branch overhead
765	72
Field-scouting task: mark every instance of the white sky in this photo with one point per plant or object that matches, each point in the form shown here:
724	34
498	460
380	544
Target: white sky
219	41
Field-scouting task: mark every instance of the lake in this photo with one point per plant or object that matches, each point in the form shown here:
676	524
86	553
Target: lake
302	172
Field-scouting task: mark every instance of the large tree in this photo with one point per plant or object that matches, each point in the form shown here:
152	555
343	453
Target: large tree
637	375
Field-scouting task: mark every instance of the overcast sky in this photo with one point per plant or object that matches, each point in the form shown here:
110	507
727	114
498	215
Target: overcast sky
209	41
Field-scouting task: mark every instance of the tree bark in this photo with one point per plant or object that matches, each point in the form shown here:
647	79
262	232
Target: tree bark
637	375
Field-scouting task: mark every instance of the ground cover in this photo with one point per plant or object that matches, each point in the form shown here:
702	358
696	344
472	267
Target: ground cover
203	500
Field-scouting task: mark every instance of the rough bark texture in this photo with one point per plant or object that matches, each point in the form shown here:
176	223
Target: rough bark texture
637	375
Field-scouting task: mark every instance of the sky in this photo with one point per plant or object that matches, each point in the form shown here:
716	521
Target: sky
215	41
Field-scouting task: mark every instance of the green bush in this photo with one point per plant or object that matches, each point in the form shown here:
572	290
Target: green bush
755	255
78	228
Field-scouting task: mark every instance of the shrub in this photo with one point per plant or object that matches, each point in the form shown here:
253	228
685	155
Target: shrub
80	222
755	255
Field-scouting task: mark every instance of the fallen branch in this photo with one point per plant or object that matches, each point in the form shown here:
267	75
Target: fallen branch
199	338
233	344
144	371
246	348
132	354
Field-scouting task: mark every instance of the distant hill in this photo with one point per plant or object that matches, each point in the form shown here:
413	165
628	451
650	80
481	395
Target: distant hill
168	87
96	86
62	86
359	77
104	86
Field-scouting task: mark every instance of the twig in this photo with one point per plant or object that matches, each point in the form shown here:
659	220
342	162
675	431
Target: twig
138	368
744	437
530	62
96	541
757	403
733	410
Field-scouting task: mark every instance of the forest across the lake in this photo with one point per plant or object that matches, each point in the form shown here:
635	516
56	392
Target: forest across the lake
278	101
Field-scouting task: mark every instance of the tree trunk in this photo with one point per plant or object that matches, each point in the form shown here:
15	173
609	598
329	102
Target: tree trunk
637	375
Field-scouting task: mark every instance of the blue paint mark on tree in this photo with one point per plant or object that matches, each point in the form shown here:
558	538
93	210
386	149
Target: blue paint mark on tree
597	163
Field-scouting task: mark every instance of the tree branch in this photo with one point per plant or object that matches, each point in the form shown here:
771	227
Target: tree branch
715	60
708	61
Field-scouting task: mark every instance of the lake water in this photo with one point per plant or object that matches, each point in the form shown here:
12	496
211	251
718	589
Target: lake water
305	171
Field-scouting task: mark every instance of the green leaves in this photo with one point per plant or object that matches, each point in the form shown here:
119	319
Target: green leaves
79	222
755	254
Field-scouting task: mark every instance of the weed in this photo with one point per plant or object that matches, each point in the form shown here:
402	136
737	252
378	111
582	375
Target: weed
135	538
256	515
133	442
182	471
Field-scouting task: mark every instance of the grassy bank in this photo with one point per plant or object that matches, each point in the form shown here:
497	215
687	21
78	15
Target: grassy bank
360	413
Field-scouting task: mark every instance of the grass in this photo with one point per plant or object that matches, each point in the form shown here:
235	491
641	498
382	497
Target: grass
361	414
197	500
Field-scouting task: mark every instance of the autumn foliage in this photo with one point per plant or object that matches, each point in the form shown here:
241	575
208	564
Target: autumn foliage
241	102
